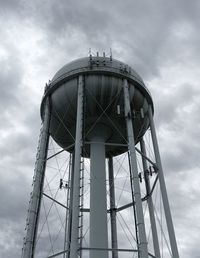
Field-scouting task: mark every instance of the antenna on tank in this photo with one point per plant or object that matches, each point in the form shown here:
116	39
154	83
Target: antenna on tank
111	54
90	54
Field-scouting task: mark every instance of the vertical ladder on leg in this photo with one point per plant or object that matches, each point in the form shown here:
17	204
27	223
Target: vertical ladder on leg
81	206
134	208
31	194
74	245
67	223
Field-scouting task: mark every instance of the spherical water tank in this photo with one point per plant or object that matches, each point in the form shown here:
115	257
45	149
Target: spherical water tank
103	103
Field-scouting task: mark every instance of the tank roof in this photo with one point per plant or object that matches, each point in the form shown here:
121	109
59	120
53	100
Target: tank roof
96	65
89	64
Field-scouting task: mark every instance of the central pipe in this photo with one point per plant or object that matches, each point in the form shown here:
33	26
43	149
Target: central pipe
98	203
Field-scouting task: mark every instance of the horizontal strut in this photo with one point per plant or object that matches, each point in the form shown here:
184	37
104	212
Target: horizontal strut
70	146
81	209
55	201
115	249
108	143
54	255
129	205
102	249
110	249
148	159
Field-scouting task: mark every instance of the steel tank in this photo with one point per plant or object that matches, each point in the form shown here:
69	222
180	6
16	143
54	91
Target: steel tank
103	103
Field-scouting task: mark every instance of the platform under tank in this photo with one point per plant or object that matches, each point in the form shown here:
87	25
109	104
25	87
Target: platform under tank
103	103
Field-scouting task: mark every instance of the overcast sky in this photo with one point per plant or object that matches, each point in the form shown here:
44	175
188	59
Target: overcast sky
159	39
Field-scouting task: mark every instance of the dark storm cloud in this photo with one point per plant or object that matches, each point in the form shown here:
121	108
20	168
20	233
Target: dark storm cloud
120	26
14	179
183	158
142	30
171	102
11	246
10	5
10	78
14	188
17	158
178	116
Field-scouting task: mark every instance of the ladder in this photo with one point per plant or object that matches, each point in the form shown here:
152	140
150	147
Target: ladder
81	206
31	195
134	208
67	221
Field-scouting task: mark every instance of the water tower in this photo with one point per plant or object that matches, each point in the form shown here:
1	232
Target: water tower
98	108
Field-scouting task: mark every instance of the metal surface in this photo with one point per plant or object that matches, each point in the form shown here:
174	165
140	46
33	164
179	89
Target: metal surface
103	65
98	204
143	252
77	161
163	189
54	200
112	209
69	224
103	100
150	202
68	203
36	196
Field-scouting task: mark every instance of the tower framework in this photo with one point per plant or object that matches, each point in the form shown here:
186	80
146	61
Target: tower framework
97	109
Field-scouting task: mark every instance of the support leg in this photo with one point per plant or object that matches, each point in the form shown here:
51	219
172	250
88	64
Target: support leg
68	222
98	204
77	162
36	196
112	209
143	252
150	203
168	216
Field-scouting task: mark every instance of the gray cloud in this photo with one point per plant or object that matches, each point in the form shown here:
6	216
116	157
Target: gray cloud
10	78
159	39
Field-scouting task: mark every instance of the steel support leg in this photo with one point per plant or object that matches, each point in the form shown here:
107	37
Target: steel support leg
98	204
69	225
150	202
143	252
77	162
163	189
112	209
67	210
68	221
36	196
